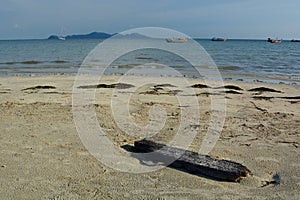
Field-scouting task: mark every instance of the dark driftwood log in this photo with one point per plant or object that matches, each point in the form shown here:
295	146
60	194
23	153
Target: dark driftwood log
191	161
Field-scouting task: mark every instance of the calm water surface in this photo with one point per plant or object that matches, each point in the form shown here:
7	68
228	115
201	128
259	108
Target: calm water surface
249	60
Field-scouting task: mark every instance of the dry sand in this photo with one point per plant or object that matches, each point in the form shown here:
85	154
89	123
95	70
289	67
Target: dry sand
42	156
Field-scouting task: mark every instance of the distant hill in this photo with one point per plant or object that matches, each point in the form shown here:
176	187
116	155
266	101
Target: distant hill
98	35
93	35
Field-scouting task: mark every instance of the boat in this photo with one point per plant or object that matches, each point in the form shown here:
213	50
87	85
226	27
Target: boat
177	40
215	39
61	38
274	40
295	40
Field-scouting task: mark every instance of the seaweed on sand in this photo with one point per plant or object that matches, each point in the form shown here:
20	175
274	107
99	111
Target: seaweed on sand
115	85
40	87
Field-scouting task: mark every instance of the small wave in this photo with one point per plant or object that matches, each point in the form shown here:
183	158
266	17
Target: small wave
33	62
9	63
44	67
146	58
122	66
178	67
29	62
153	65
59	61
232	68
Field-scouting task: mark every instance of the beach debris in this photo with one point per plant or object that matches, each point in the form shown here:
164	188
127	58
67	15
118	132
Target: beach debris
230	87
231	92
156	92
258	108
54	92
295	144
165	85
189	161
159	90
200	86
263	89
40	87
208	94
291	98
294	102
296	98
115	85
262	98
276	180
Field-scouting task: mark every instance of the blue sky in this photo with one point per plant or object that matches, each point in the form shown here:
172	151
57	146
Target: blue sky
26	19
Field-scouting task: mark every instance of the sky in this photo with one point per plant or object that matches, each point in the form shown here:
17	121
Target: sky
255	19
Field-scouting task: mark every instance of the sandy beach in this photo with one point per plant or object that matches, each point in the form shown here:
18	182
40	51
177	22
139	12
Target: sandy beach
42	156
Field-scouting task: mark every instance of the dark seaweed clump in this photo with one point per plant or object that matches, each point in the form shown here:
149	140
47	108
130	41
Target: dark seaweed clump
115	85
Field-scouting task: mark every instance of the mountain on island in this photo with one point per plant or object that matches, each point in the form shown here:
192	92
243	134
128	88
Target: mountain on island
98	35
93	35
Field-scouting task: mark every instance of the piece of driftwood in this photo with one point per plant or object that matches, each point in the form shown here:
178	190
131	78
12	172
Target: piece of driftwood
190	161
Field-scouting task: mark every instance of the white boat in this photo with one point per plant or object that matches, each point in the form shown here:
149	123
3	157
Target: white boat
61	38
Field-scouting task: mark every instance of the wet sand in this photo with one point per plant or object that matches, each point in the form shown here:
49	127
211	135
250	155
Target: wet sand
42	156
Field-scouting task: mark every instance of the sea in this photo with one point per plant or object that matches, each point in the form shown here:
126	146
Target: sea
237	60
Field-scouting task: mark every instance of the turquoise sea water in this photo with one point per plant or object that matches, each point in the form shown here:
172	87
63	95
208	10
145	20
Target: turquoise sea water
248	60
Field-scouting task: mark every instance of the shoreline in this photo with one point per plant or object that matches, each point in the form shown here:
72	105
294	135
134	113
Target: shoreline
293	80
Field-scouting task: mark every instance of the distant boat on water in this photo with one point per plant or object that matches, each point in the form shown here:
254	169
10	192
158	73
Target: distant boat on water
295	40
61	38
276	41
216	39
177	40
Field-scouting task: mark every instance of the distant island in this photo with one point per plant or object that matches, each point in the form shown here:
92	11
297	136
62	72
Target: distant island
93	35
96	35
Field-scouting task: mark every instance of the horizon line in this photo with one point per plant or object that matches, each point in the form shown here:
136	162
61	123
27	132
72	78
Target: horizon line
196	37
